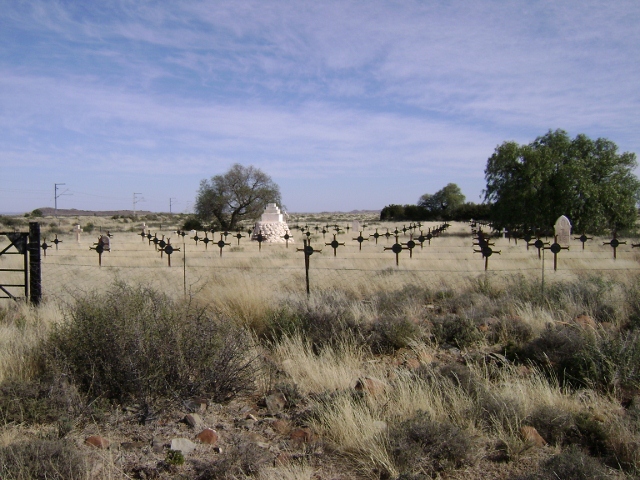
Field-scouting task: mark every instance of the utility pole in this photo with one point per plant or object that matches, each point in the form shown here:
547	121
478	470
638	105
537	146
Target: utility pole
135	201
56	195
170	199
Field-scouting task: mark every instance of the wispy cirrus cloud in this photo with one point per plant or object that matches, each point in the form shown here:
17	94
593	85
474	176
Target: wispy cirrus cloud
377	92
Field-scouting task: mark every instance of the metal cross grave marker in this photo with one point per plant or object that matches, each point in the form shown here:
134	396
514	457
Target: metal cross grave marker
308	251
615	243
334	244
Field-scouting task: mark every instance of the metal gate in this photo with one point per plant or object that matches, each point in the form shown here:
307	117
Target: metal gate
26	244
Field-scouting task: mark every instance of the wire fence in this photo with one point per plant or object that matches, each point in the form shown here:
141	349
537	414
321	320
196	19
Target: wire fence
72	268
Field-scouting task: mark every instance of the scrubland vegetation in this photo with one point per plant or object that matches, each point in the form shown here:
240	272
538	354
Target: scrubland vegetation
445	378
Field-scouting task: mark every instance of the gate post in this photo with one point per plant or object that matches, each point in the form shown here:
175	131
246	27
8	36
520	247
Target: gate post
35	269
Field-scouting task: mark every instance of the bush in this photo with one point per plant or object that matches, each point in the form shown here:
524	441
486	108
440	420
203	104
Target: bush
454	330
42	459
36	402
88	228
192	223
133	343
392	333
420	445
552	424
241	459
572	464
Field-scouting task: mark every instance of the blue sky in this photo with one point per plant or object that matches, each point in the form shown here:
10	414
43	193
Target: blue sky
346	105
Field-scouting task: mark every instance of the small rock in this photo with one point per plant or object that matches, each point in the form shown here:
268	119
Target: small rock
282	458
208	436
97	441
183	445
192	419
585	321
251	416
196	405
371	385
412	363
301	435
281	426
532	437
157	445
276	402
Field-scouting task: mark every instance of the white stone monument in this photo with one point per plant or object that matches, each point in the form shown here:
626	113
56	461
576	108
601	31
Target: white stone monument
272	226
356	226
77	230
563	230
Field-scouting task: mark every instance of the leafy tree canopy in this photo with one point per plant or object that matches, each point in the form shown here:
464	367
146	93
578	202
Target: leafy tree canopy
587	180
444	201
240	194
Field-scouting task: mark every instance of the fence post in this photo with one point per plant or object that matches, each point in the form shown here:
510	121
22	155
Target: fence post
35	268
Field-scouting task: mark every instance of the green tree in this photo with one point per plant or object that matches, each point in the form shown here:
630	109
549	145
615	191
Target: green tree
240	194
586	180
444	202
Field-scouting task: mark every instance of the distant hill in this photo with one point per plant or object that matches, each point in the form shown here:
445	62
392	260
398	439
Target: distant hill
72	212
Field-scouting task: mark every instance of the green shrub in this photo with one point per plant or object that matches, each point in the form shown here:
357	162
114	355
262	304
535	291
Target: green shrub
392	333
174	457
192	223
134	343
88	228
42	459
421	445
455	330
581	357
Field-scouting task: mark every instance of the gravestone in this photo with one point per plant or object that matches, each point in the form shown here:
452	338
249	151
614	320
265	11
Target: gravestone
77	230
272	227
563	230
355	226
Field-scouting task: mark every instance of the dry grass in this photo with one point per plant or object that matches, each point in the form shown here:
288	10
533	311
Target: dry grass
332	369
444	278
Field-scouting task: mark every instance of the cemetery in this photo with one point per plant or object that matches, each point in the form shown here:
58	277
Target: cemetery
324	344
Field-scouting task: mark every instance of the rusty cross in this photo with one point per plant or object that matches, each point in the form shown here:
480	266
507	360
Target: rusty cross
360	239
615	243
583	238
56	241
396	248
334	244
168	249
555	249
308	251
286	237
239	236
222	244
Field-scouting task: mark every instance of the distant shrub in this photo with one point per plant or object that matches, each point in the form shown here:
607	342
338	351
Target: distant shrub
134	343
37	213
88	228
192	223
